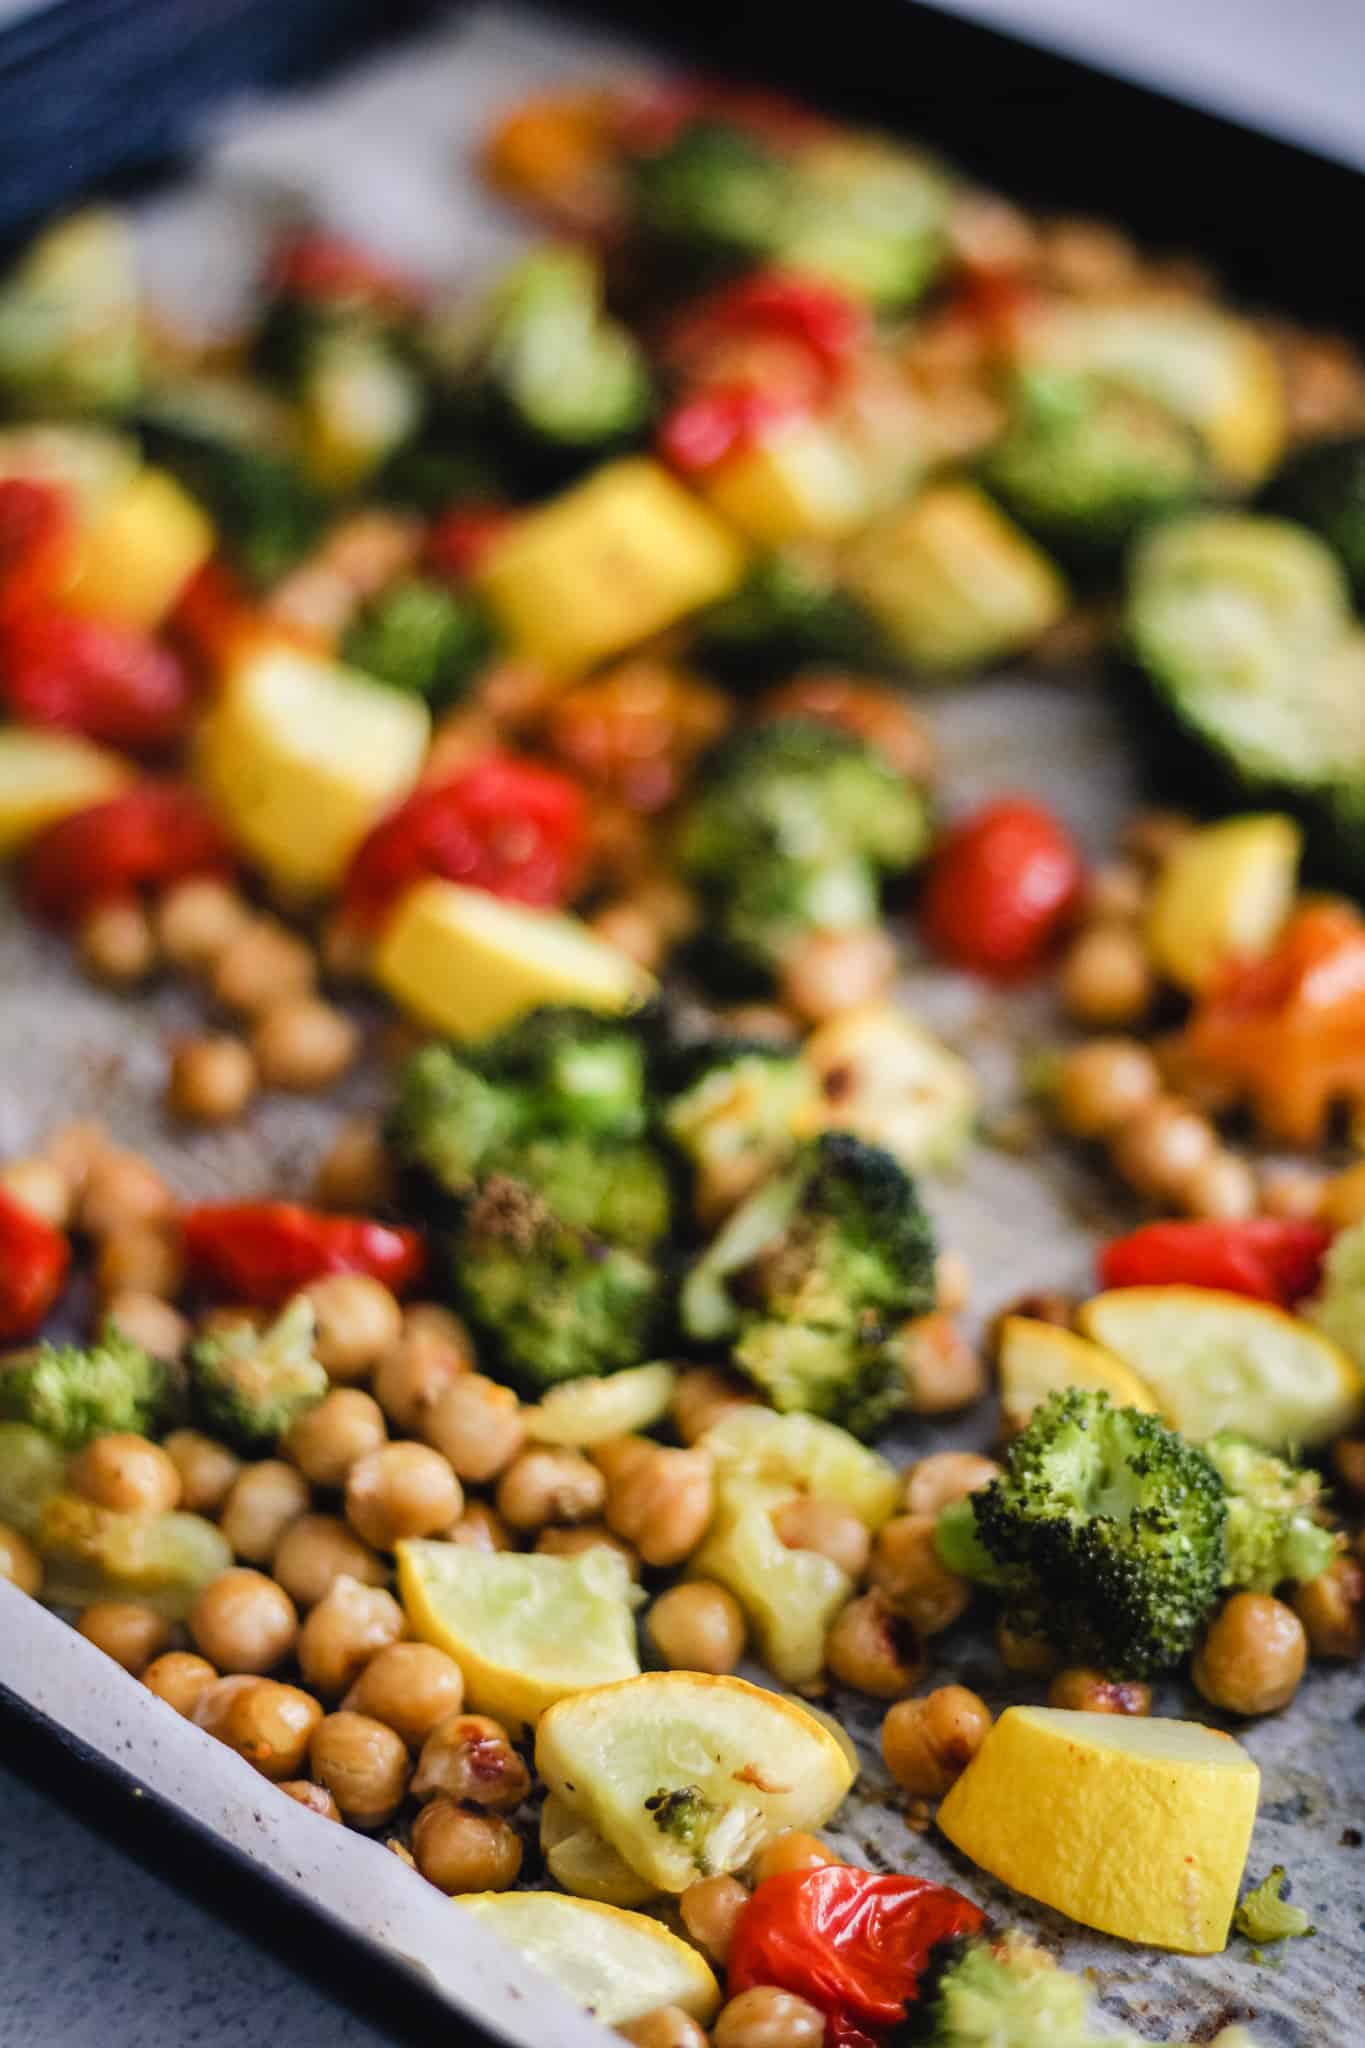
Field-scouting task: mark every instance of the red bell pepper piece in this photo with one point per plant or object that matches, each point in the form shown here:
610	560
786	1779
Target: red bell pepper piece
262	1252
723	421
34	1259
93	676
145	838
36	526
1000	888
1270	1258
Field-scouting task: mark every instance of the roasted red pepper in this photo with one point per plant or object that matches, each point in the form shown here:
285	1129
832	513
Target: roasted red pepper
816	320
262	1252
723	421
93	676
854	1943
1270	1258
460	539
36	525
513	827
33	1265
1002	885
142	840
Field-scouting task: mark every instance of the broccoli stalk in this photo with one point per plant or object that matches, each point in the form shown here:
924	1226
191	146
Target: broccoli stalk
73	1393
249	1385
1272	1533
1265	1915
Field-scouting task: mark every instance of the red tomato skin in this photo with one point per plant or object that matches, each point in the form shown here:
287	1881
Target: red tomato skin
211	619
263	1252
36	529
1268	1258
34	1260
1000	889
144	838
829	326
460	540
724	421
854	1943
93	676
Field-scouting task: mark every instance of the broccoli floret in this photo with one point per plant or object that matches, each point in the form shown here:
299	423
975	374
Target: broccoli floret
555	1302
997	1994
1266	1915
1271	1534
736	1108
73	1392
792	829
786	615
811	1278
248	1385
687	1817
713	199
1104	1534
422	637
1322	486
266	512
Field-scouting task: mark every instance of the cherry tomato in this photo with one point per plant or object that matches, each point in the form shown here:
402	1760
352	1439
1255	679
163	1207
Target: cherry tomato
143	839
461	538
854	1943
1269	1258
263	1252
817	318
36	524
510	826
92	676
326	268
1000	888
33	1264
723	421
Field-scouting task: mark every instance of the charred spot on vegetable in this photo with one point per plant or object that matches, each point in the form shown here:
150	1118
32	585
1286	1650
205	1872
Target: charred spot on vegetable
788	614
687	1817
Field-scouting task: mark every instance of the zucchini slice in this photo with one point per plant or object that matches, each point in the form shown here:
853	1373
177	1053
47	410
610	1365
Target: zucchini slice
614	1964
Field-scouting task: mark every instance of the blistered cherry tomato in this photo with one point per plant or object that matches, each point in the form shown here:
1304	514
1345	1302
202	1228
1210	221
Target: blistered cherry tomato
723	421
461	538
1270	1258
1000	889
92	676
263	1252
36	524
816	318
33	1264
143	839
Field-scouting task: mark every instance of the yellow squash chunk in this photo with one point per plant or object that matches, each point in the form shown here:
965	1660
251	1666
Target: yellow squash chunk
802	482
615	1964
1137	1828
45	775
467	963
1037	1359
804	1455
590	1411
90	463
1224	893
685	1774
583	1863
525	1630
612	561
138	551
161	1561
1219	1361
302	756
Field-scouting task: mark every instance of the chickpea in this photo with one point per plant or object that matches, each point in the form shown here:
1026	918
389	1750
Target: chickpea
126	1472
668	2026
316	1798
211	1708
432	1349
477	1425
145	1320
324	1442
572	1542
481	1527
364	1766
358	1320
196	919
470	1757
304	1043
908	1571
117	944
1152	836
1299	1191
1160	1149
630	925
1030	1656
1104	1084
767	2018
804	1523
212	1079
130	1634
262	1502
42	1187
349	1624
120	1190
792	1850
660	1500
947	1476
1224	1186
1332	1609
1116	893
262	964
826	973
145	1259
20	1563
180	1679
459	1851
703	1396
927	1743
710	1909
271	1726
346	951
75	1150
401	1490
873	1649
943	1371
243	1621
1349	1458
952	1283
1105	978
208	1470
1084	1691
697	1626
355	1173
546	1485
1252	1656
411	1688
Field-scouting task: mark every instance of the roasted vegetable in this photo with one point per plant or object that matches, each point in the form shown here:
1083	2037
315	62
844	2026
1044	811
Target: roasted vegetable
1272	1533
73	1392
867	215
886	1078
736	1108
161	1561
248	1385
421	636
1322	487
712	199
1265	1914
70	336
787	613
999	1994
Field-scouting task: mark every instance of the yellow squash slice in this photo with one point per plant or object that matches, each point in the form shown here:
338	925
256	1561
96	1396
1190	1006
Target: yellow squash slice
590	1411
45	775
1223	894
1037	1359
580	1861
615	1964
138	550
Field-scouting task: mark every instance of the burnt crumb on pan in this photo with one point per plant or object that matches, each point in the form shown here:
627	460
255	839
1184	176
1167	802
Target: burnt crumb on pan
1351	1838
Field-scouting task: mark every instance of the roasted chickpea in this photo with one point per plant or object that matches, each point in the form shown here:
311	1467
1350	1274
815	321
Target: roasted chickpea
1116	893
117	944
211	1708
952	1283
462	1851
1104	1084
1106	978
804	1523
873	1649
212	1079
364	1766
144	1259
1300	1191
130	1634
324	1442
1089	1692
481	1527
1159	1150
630	925
243	1621
208	1470
76	1149
355	1174
1152	836
477	1425
469	1757
1349	1458
153	1324
304	1044
697	1626
1030	1656
792	1850
703	1396
1332	1609
826	973
358	1320
196	919
562	1541
263	1500
547	1485
316	1798
347	1627
411	1688
668	2026
943	1372
126	1472
401	1490
927	1743
767	2018
120	1190
710	1908
260	965
1223	1187
1252	1656
180	1679
659	1500
20	1563
946	1476
271	1726
913	1579
432	1350
41	1186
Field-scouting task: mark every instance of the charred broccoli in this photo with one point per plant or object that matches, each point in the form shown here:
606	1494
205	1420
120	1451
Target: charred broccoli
1265	1914
811	1278
73	1392
422	637
687	1817
712	199
736	1108
1322	486
248	1385
1271	1534
228	448
785	614
1104	1534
